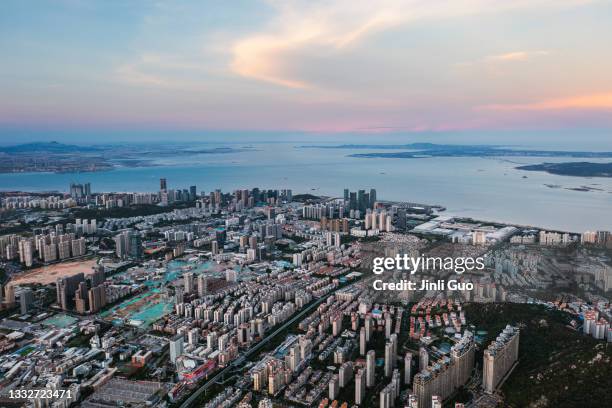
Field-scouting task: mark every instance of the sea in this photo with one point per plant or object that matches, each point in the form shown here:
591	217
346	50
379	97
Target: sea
487	188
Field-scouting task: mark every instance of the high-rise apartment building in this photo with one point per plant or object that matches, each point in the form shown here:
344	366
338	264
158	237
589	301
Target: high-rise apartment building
97	298
334	387
26	252
388	359
202	285
362	341
188	280
66	288
176	347
122	244
445	375
360	387
26	300
407	368
499	358
423	359
370	368
135	246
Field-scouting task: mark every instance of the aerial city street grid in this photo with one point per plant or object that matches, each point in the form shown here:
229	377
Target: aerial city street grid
259	297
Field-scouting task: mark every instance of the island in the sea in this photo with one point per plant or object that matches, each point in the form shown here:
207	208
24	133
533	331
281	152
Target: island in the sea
57	157
425	150
577	169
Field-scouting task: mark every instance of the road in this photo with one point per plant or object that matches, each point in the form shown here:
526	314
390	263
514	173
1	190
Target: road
239	361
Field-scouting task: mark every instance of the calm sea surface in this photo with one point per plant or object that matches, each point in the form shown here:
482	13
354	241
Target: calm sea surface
483	188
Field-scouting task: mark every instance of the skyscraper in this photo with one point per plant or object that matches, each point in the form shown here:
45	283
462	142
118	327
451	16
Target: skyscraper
163	185
388	359
97	298
407	368
66	288
386	397
368	327
176	347
370	368
135	246
447	374
80	301
393	340
401	219
334	387
353	201
345	373
97	277
26	252
9	295
360	386
122	244
337	326
202	285
76	191
26	300
372	197
188	282
294	357
499	358
388	325
361	201
423	358
193	336
362	341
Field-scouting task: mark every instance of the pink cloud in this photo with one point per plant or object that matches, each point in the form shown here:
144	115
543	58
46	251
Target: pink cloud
596	101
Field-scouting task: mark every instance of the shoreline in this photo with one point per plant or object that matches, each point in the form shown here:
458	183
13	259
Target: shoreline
439	210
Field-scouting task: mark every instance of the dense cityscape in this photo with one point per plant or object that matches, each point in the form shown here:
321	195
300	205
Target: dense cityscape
306	204
265	298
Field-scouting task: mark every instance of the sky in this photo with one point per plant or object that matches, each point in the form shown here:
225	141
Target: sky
127	70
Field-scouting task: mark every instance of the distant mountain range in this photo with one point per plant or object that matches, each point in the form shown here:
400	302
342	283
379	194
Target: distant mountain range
66	158
423	150
50	147
411	146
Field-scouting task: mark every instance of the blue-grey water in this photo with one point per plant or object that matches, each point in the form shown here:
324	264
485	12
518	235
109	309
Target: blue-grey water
482	188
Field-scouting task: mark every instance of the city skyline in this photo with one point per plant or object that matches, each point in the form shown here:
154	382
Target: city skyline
128	71
255	297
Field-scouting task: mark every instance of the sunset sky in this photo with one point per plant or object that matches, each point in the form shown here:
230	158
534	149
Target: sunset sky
356	66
